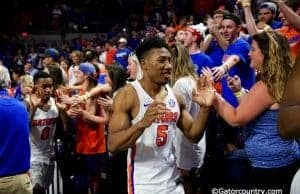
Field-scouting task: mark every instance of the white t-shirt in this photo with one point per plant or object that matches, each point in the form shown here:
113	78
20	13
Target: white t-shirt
72	80
188	154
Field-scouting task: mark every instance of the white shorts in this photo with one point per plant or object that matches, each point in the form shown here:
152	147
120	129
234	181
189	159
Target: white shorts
42	173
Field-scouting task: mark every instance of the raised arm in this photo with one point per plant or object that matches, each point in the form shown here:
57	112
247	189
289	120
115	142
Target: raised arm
289	112
289	14
250	22
194	129
252	105
215	32
206	43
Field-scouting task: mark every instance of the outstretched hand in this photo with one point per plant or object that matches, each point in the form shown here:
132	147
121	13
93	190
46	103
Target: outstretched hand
205	93
219	72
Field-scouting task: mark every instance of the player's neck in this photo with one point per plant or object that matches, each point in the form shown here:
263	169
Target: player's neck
151	88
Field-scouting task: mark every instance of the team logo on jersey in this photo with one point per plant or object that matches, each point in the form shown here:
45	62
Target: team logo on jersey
146	104
171	103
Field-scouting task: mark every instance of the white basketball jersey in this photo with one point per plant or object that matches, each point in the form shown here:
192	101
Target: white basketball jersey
151	161
42	133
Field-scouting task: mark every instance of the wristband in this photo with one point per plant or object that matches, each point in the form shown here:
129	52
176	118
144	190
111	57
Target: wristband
246	4
267	28
241	92
226	66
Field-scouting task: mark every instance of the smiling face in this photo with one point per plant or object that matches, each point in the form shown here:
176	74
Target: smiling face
283	19
75	58
156	66
256	56
180	35
188	39
218	18
79	76
132	68
230	30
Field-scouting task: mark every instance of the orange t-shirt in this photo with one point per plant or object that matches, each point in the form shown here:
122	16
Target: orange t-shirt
90	137
110	57
293	37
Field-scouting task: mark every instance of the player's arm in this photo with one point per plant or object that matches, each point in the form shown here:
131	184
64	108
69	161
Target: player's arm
192	129
31	108
121	133
289	14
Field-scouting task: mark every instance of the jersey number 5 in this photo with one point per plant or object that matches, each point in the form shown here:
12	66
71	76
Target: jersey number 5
161	135
45	133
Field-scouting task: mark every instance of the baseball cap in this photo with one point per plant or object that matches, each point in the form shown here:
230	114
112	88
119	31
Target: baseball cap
88	69
194	31
269	5
52	52
29	60
122	40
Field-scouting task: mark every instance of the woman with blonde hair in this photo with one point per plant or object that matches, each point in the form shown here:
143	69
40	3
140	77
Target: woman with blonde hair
273	159
134	67
26	83
184	78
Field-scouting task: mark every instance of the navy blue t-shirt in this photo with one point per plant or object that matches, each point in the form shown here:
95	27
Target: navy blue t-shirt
240	48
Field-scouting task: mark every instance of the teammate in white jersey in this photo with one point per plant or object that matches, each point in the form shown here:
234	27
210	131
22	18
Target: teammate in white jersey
144	119
43	118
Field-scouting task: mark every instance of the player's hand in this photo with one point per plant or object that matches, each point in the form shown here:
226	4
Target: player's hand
154	111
